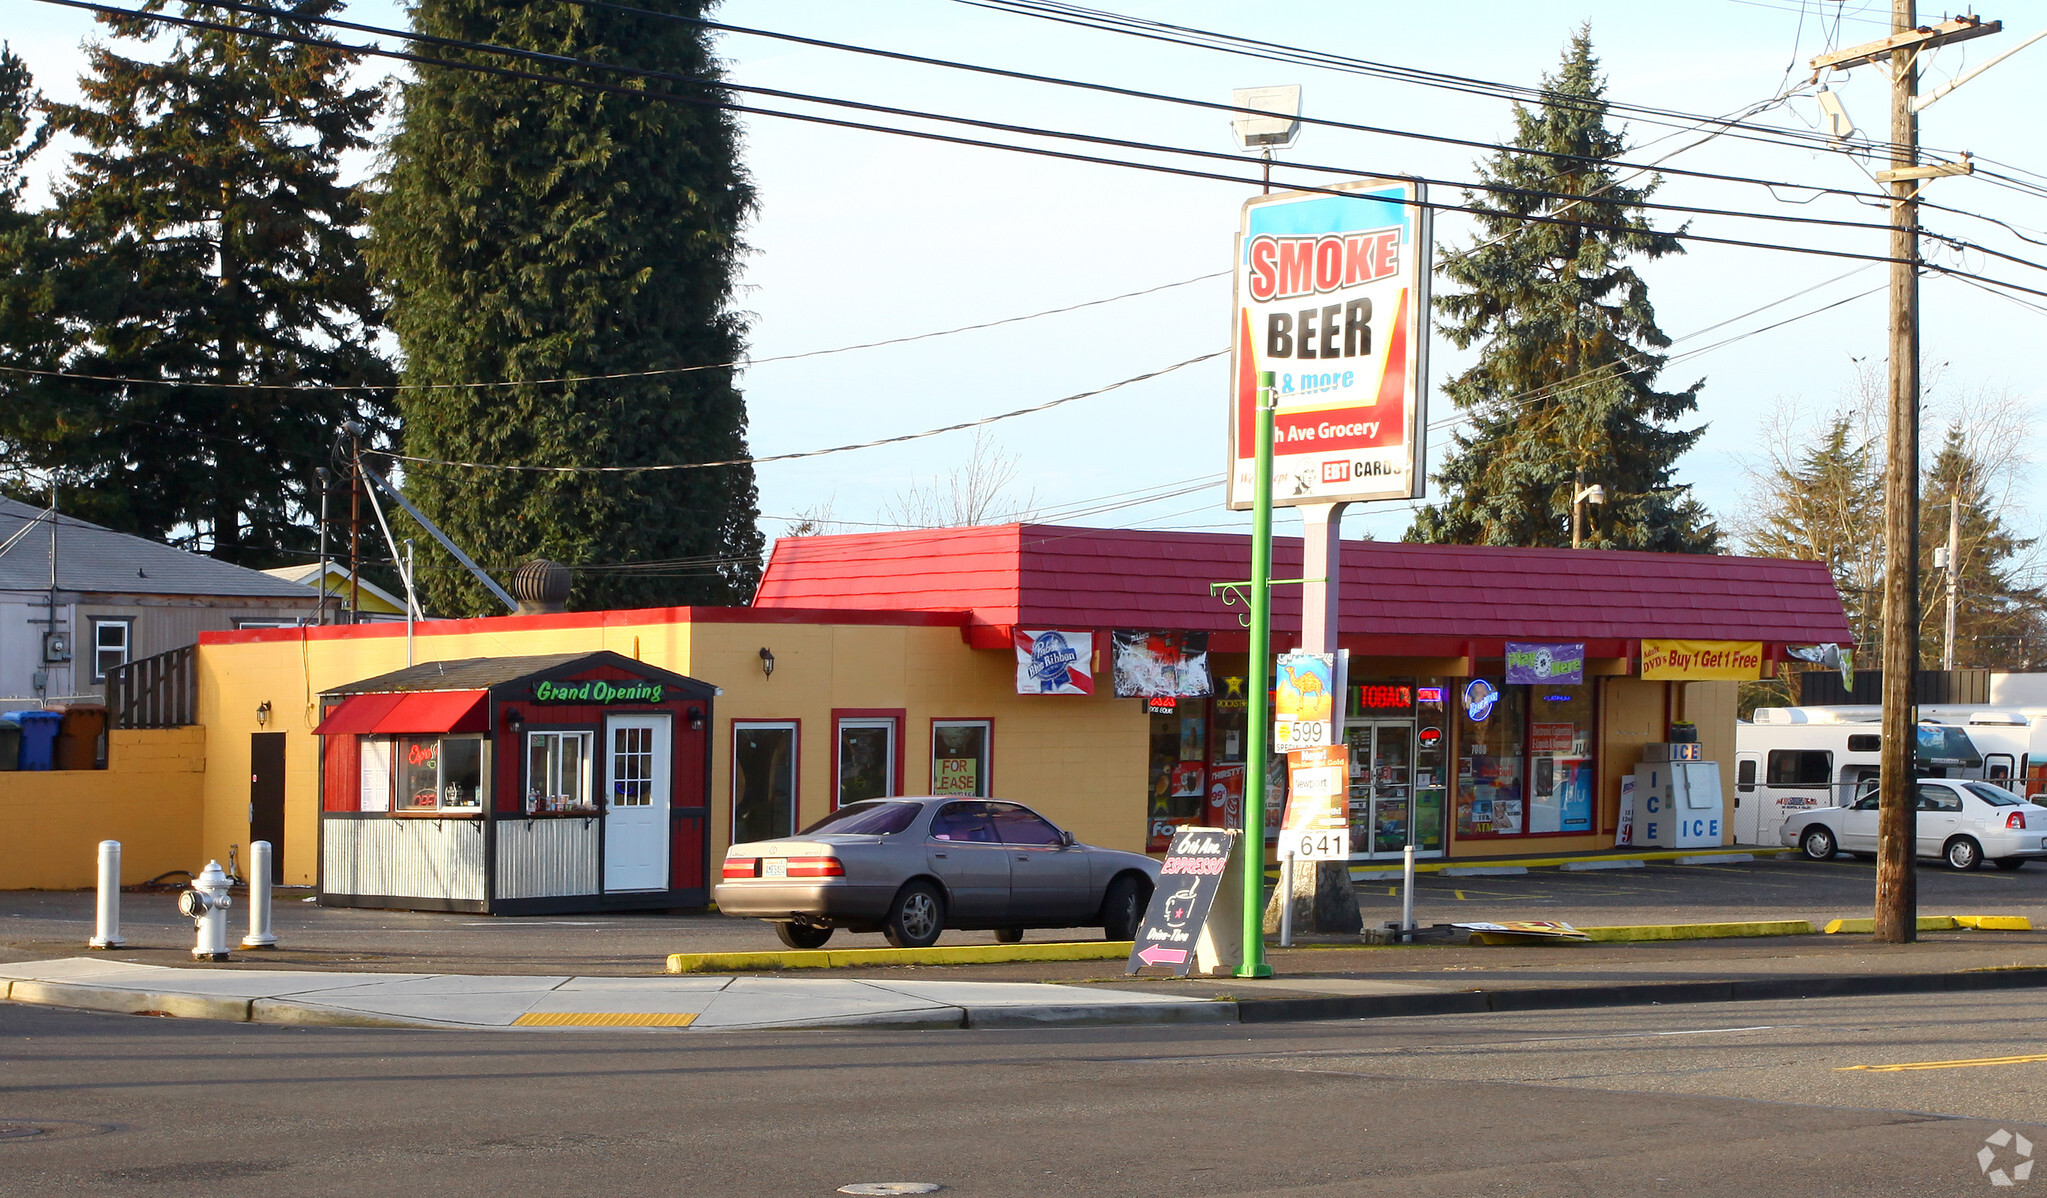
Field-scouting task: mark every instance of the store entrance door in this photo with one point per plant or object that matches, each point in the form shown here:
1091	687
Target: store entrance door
636	832
1382	793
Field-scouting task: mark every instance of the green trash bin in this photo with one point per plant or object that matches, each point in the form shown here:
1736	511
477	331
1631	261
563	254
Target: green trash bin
10	745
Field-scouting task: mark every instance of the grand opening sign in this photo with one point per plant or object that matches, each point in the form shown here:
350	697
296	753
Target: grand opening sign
1332	297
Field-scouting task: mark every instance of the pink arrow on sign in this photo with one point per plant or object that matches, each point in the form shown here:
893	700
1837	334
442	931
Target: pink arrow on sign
1152	954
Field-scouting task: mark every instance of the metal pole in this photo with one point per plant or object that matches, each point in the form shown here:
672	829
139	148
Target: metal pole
354	529
107	930
1252	964
410	606
259	898
1954	574
326	478
1897	896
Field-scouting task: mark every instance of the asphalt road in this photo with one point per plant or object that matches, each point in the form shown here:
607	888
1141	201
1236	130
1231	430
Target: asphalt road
52	923
1735	1099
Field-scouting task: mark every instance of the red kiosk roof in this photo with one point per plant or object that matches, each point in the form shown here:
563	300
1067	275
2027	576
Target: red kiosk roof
1397	598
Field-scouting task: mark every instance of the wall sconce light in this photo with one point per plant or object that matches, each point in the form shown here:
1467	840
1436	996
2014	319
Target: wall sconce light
696	718
263	713
767	663
513	719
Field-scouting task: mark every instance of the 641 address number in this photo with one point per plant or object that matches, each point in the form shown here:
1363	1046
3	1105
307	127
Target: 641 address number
1318	846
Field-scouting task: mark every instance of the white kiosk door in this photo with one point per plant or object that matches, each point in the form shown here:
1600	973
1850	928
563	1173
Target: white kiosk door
636	809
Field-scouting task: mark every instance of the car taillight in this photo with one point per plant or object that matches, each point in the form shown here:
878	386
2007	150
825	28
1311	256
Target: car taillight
739	867
2016	819
816	867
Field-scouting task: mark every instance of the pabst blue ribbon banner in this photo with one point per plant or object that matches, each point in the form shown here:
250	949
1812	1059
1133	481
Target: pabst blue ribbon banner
1332	297
1053	662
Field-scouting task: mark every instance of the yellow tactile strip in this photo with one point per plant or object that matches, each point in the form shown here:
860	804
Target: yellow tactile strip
602	1019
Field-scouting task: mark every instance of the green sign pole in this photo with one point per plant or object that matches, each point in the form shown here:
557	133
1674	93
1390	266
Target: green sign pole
1253	963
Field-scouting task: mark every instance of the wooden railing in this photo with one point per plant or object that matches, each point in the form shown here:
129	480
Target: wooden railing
154	692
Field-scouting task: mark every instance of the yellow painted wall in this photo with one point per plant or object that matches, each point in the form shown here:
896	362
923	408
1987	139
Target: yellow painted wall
1711	705
1079	759
148	798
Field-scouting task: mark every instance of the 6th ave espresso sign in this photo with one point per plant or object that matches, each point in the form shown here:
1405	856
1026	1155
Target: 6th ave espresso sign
599	692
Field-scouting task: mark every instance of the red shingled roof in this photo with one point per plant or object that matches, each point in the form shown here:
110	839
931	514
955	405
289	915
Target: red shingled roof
1397	598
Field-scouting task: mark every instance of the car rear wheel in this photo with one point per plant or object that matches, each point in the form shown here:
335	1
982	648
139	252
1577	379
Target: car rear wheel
2011	863
1963	853
802	935
1009	935
1818	844
1123	909
916	917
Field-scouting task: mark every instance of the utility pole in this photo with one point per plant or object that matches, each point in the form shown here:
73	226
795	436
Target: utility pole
1897	898
354	525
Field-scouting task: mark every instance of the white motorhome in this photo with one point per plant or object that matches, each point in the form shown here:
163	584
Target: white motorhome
2012	737
1782	766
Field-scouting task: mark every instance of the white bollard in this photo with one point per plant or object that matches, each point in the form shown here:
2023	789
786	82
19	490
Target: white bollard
1407	891
259	898
206	904
107	932
1286	901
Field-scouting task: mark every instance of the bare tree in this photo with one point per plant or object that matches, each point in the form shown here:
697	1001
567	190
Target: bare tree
813	521
973	493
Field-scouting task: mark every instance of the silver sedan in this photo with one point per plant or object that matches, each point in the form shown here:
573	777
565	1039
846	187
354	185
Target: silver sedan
1959	821
912	867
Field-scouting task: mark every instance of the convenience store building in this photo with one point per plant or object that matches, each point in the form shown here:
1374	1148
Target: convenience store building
889	663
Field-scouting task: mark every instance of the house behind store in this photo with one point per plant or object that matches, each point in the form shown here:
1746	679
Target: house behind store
888	663
113	598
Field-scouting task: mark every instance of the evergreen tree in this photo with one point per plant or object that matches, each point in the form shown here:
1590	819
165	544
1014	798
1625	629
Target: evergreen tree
531	232
1998	618
204	238
1565	374
29	335
1823	508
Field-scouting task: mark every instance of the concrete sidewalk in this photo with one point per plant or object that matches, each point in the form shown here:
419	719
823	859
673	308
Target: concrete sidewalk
472	1003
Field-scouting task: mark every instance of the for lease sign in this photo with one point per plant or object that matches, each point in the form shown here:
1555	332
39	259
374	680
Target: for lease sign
1332	298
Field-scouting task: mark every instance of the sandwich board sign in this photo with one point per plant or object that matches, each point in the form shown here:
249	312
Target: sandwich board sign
1189	878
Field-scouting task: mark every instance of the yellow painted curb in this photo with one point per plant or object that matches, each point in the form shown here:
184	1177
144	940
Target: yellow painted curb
1995	923
962	954
1927	923
1700	931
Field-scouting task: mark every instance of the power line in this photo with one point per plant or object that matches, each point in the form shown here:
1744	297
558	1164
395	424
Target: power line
1118	23
1039	151
807	453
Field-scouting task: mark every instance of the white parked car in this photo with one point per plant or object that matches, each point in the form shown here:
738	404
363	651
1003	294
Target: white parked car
1963	822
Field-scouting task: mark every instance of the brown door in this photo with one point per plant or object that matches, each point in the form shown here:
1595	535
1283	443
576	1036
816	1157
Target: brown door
266	797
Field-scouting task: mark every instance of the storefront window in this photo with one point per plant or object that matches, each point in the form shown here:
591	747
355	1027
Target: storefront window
1490	718
422	773
1179	755
1559	759
867	759
557	772
763	780
959	757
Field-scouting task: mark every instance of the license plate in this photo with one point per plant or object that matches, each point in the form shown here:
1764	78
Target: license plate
774	867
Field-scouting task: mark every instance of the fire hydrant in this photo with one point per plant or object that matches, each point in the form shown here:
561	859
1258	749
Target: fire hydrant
207	903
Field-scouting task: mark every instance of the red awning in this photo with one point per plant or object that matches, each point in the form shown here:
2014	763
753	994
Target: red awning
422	711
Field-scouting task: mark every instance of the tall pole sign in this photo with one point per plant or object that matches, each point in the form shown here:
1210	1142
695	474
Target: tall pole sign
1332	296
1332	306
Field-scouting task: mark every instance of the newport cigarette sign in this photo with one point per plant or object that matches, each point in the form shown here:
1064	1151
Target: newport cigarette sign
1332	297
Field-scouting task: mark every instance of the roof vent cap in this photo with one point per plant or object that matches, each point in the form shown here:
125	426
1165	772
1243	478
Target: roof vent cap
542	587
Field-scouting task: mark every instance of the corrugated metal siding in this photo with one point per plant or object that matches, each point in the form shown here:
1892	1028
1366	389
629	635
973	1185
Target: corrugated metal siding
545	858
403	858
160	628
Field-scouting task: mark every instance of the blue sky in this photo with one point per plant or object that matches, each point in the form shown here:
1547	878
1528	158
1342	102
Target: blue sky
864	236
